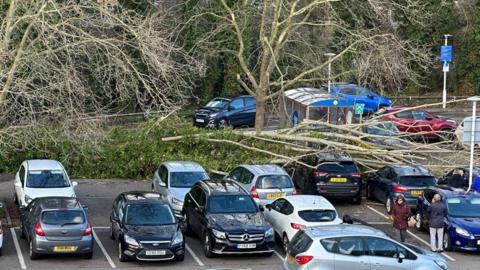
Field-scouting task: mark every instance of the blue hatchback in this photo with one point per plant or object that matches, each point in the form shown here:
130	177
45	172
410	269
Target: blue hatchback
362	95
462	225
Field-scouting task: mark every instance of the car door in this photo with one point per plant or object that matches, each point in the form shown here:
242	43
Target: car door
423	121
235	109
384	183
405	122
26	216
19	184
349	252
196	214
250	111
386	254
376	181
274	215
117	217
161	180
368	98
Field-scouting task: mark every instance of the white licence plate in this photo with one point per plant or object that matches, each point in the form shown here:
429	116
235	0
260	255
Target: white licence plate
478	242
246	245
198	120
155	252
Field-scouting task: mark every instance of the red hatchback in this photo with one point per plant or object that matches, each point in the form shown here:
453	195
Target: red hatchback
421	122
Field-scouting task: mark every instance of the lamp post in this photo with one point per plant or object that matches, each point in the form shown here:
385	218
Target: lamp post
474	99
445	70
329	55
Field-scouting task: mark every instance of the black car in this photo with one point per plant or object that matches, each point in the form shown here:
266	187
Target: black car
145	228
223	112
390	181
227	219
334	176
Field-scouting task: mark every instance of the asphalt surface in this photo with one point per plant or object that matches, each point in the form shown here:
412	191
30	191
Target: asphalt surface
98	195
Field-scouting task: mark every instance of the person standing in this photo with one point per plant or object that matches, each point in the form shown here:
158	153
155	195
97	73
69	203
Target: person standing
437	212
400	215
457	179
476	184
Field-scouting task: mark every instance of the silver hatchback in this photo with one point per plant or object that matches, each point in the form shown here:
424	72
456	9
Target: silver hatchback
356	247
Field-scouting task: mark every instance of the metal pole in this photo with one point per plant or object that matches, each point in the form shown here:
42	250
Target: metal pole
444	99
329	72
472	143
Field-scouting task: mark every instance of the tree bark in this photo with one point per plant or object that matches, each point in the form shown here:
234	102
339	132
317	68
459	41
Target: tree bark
260	113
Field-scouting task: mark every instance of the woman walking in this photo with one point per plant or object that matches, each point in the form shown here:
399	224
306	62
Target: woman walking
437	212
400	215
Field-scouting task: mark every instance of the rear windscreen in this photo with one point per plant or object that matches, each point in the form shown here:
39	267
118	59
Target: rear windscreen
274	181
317	215
417	181
338	167
63	217
301	242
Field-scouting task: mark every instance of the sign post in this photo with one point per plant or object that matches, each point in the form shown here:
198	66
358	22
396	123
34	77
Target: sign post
359	108
446	58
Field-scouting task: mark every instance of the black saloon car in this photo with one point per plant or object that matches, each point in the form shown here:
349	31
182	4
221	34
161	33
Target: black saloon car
145	228
227	219
223	112
390	181
335	176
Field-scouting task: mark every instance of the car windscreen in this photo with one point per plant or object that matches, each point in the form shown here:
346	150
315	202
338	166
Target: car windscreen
229	204
383	129
417	181
274	182
464	207
301	242
149	214
63	217
338	167
47	179
186	179
317	215
217	103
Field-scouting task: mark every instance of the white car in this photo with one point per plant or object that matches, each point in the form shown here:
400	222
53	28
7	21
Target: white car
289	214
459	133
42	178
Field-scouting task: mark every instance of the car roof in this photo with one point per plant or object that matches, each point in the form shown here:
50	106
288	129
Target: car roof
51	203
410	170
265	169
143	196
183	166
343	230
222	99
331	156
220	186
301	202
448	192
43	164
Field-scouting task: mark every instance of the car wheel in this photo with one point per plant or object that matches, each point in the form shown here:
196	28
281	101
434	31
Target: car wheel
33	255
112	236
285	242
418	225
121	256
88	256
222	123
447	242
0	251
207	246
179	258
447	134
389	204
22	231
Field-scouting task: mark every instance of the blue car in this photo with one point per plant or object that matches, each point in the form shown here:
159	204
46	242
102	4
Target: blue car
462	225
223	112
362	95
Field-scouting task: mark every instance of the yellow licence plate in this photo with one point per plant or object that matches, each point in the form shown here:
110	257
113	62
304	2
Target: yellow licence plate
64	248
338	180
416	192
275	195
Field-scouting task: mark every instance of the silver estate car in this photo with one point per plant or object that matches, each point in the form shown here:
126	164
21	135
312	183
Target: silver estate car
265	183
358	247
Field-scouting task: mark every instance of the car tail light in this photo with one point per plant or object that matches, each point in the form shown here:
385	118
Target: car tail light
38	230
356	174
294	192
303	259
400	188
297	226
319	173
254	193
88	230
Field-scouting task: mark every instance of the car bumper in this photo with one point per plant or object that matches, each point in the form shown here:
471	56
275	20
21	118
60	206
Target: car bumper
461	242
223	246
42	245
140	253
203	122
411	200
341	191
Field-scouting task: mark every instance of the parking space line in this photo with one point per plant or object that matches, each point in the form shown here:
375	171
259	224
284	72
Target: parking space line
17	247
412	234
278	255
195	257
101	227
99	243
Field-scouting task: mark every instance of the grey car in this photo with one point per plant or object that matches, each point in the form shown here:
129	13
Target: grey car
356	247
56	225
265	183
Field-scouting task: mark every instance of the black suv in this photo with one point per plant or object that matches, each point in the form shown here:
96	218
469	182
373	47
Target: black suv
223	112
227	219
334	176
145	228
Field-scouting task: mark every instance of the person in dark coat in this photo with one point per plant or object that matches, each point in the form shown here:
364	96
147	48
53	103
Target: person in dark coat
457	179
437	212
400	214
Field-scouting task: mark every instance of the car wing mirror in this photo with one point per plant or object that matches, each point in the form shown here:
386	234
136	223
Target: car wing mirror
161	183
85	207
401	257
261	208
74	183
18	184
347	219
268	206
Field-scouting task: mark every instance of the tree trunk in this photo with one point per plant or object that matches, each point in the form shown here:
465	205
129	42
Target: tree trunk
260	113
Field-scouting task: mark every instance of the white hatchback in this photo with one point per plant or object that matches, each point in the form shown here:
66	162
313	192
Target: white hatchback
42	178
289	214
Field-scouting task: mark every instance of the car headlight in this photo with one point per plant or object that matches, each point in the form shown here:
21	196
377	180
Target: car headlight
269	233
177	201
442	264
178	239
462	232
219	234
131	241
28	199
213	115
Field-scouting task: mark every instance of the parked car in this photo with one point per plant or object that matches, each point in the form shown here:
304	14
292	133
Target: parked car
385	135
265	182
223	112
56	225
360	95
459	133
145	228
173	179
422	123
227	220
356	247
390	181
289	214
335	176
466	172
42	178
462	225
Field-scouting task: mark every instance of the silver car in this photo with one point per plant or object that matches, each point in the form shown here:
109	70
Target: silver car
358	247
265	183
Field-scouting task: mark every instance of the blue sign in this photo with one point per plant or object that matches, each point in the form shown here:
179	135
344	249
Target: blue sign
446	53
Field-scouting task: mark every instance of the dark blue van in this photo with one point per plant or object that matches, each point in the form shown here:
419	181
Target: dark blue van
223	112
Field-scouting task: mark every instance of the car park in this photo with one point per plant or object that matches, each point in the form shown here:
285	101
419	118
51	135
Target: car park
264	182
355	247
56	225
385	135
335	176
289	214
41	178
360	95
392	180
462	224
222	112
145	229
226	219
173	179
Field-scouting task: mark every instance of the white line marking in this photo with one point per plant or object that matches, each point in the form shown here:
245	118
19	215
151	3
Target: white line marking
17	247
278	255
195	257
99	243
101	227
412	234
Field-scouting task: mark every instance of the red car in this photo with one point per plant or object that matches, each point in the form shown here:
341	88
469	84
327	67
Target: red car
421	122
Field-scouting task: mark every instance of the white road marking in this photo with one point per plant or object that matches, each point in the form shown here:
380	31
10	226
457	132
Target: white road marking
17	247
99	243
101	227
278	255
412	234
195	257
